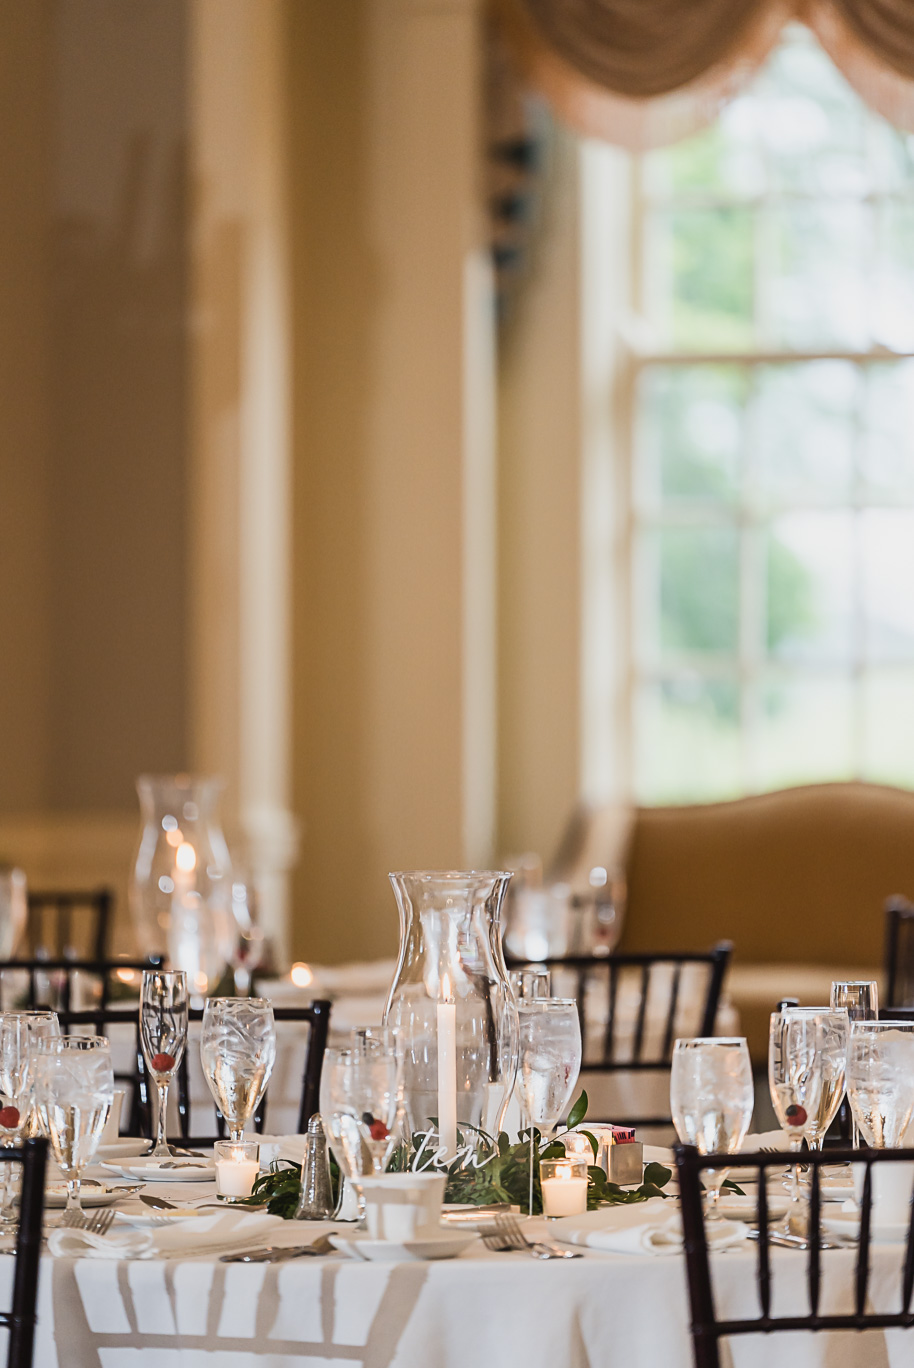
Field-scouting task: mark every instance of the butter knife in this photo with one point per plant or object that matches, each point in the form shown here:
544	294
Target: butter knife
278	1253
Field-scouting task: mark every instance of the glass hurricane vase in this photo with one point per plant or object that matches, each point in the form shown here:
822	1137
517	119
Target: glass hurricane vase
181	890
452	1007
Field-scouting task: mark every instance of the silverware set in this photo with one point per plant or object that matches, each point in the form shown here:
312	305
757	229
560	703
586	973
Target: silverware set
279	1254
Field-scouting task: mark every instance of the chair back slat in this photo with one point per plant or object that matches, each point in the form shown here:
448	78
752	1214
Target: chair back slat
609	1044
862	1278
764	1250
671	1011
814	1275
642	1013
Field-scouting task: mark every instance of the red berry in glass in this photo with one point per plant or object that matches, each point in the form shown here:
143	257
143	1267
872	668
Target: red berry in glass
162	1063
796	1115
9	1117
378	1131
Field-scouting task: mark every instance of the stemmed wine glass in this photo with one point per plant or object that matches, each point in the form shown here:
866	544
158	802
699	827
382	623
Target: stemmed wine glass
807	1048
711	1098
74	1090
861	999
237	1051
15	1088
163	1033
880	1080
548	1064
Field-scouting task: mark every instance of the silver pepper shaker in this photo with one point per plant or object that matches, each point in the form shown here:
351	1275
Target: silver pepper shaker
316	1200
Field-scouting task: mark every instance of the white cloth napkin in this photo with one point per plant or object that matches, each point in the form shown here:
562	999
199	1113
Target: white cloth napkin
624	1230
222	1233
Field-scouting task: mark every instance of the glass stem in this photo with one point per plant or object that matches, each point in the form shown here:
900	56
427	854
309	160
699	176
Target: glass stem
73	1202
796	1143
161	1150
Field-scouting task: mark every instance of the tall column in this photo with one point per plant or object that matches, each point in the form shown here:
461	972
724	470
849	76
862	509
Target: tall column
240	434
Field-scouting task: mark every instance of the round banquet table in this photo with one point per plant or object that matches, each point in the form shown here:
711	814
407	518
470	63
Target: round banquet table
601	1311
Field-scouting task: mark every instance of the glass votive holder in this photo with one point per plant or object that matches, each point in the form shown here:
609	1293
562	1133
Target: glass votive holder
237	1167
564	1185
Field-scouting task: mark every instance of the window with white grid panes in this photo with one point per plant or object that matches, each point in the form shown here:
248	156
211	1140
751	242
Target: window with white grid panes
773	445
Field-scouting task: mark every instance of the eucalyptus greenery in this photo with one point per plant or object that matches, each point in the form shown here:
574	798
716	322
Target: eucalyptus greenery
486	1170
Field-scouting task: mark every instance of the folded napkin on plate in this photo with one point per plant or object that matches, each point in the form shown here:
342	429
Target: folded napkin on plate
624	1230
221	1233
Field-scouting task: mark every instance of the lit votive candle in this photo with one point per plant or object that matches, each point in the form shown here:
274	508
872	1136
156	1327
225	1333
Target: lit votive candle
564	1184
237	1167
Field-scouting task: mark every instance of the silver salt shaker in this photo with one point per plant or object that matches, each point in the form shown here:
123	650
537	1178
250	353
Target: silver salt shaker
316	1200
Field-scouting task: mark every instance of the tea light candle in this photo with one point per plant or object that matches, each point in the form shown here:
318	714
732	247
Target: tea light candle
237	1167
564	1184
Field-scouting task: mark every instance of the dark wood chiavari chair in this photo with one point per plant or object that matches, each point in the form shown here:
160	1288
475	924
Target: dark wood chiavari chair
51	926
21	1317
644	1052
899	952
708	1328
139	1110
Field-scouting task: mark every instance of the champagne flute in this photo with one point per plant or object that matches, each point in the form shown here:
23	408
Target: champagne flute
163	1034
831	1028
804	1086
861	998
374	1090
343	1131
15	1086
74	1090
237	1051
548	1064
711	1098
43	1024
880	1080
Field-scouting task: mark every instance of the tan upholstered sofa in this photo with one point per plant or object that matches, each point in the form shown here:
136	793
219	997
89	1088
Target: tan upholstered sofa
796	879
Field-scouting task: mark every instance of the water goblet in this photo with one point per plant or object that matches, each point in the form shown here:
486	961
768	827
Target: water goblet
163	1034
861	998
880	1080
711	1098
237	1052
74	1090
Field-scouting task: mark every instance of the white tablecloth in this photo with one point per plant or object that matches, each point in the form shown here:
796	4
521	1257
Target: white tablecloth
600	1311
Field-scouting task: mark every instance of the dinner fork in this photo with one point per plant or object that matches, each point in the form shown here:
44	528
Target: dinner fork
99	1224
508	1235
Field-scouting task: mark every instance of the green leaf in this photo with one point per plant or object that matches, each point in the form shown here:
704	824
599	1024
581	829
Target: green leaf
578	1112
657	1175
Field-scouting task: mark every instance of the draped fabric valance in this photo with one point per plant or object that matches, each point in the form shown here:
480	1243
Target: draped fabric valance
642	73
